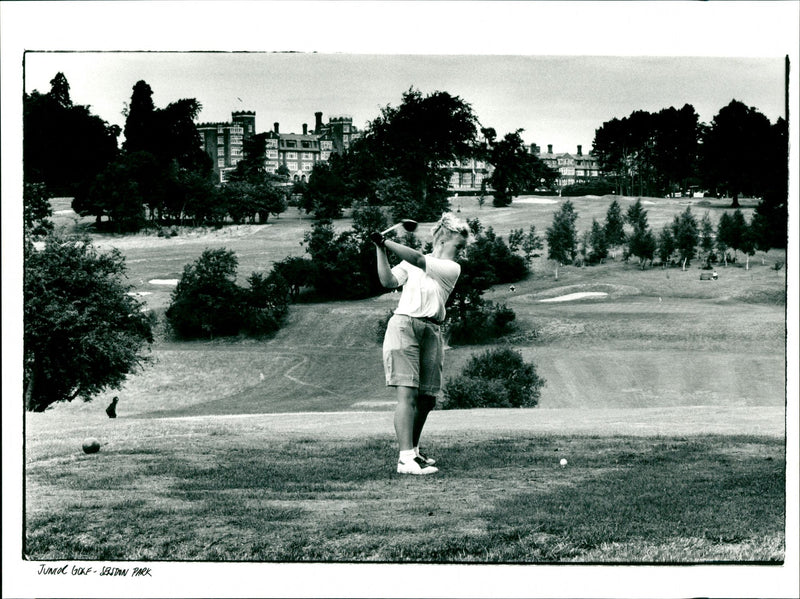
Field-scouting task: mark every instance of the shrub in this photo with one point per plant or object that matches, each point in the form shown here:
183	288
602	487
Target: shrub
267	303
498	377
471	392
481	323
207	302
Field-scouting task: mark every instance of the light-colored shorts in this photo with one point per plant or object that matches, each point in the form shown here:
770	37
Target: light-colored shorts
412	354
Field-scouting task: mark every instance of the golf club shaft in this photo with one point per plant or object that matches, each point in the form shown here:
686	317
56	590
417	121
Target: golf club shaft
392	228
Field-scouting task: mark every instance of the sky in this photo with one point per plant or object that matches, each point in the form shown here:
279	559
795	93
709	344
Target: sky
558	100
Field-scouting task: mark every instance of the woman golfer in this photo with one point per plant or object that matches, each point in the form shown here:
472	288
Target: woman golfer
412	348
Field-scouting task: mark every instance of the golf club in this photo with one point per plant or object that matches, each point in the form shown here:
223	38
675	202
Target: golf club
408	224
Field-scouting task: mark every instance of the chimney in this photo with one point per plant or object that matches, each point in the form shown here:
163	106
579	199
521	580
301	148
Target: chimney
277	127
305	129
318	122
549	148
580	150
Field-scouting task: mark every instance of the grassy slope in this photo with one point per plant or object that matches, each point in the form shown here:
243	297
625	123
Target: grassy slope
637	488
659	338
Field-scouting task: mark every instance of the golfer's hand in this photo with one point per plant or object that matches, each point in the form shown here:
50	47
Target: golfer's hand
377	239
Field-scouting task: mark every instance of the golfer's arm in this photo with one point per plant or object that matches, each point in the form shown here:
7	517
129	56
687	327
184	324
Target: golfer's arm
385	274
406	253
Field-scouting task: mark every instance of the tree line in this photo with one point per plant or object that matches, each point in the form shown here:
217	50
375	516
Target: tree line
678	242
655	154
160	175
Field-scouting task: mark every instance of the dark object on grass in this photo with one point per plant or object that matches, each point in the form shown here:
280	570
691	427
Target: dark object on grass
91	445
111	410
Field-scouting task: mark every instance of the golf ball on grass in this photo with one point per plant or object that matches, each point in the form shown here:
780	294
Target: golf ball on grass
563	462
91	445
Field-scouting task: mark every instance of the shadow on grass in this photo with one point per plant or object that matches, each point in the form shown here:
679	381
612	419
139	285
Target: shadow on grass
503	501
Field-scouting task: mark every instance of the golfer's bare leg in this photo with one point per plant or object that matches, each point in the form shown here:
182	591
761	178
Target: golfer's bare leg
425	404
405	416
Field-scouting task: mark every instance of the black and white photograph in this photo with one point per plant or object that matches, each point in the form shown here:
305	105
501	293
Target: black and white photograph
400	299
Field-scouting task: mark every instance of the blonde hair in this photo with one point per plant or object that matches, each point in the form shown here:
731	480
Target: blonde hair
450	224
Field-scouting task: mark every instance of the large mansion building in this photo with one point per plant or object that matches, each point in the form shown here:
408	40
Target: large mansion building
299	152
571	168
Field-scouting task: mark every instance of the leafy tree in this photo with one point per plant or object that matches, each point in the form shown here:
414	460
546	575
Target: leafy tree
297	271
37	210
140	121
614	225
707	237
598	243
415	142
177	136
649	153
738	232
64	144
194	196
530	243
636	215
122	191
724	234
338	271
207	302
770	220
239	200
515	169
493	261
686	235
676	147
666	244
266	303
326	193
487	261
641	242
562	239
83	333
733	151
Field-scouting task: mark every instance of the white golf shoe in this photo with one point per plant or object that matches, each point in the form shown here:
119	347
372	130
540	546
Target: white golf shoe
415	466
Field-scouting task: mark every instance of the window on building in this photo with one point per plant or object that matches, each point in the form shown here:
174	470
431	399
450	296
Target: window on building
291	143
221	162
291	155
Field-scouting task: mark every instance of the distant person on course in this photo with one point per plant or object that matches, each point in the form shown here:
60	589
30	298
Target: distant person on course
413	352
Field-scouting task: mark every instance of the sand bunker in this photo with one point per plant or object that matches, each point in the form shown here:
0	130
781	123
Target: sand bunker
575	296
139	293
163	281
535	201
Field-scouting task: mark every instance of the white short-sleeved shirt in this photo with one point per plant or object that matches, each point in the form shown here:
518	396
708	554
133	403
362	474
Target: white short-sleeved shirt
425	292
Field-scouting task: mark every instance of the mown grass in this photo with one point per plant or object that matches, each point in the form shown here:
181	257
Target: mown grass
216	490
631	499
